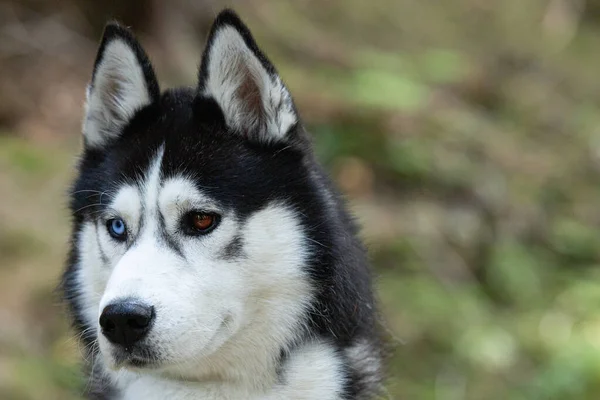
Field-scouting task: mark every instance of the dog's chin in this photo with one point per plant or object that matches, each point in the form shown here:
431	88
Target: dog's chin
136	359
142	358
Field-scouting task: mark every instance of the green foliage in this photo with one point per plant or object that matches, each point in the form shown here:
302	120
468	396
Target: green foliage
385	90
475	126
576	240
516	272
27	160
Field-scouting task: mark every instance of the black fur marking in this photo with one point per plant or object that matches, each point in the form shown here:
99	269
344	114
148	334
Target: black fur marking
234	249
284	355
169	241
100	249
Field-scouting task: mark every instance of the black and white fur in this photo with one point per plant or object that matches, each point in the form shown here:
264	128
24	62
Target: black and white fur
276	301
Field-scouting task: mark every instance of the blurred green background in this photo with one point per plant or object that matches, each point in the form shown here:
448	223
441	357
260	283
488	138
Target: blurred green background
466	134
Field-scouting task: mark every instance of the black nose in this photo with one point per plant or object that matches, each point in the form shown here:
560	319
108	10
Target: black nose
126	322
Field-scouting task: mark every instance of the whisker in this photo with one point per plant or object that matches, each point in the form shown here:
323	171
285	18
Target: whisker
84	191
317	242
89	205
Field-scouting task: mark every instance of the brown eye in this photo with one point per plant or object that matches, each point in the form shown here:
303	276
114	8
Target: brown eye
201	222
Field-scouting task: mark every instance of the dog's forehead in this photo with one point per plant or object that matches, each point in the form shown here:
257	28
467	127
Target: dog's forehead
190	133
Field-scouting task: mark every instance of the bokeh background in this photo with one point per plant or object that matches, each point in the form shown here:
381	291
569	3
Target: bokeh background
465	133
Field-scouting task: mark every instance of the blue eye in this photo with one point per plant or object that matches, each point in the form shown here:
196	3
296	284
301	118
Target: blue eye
116	228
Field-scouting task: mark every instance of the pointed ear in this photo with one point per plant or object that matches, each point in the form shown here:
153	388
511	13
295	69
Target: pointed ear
243	82
123	82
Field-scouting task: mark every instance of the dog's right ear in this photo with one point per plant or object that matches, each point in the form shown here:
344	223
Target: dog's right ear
122	83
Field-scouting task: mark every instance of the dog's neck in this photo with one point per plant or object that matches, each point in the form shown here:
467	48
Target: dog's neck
314	370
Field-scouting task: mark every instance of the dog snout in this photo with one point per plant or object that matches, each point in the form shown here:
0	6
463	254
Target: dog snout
126	322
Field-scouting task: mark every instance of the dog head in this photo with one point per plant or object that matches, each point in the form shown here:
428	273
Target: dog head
197	212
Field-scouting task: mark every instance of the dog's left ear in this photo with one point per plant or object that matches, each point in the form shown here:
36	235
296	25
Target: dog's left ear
244	83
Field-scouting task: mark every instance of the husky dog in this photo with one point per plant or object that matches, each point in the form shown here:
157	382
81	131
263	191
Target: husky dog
211	256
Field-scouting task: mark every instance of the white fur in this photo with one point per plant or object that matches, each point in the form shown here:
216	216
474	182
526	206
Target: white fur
231	64
364	358
220	323
314	372
118	90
